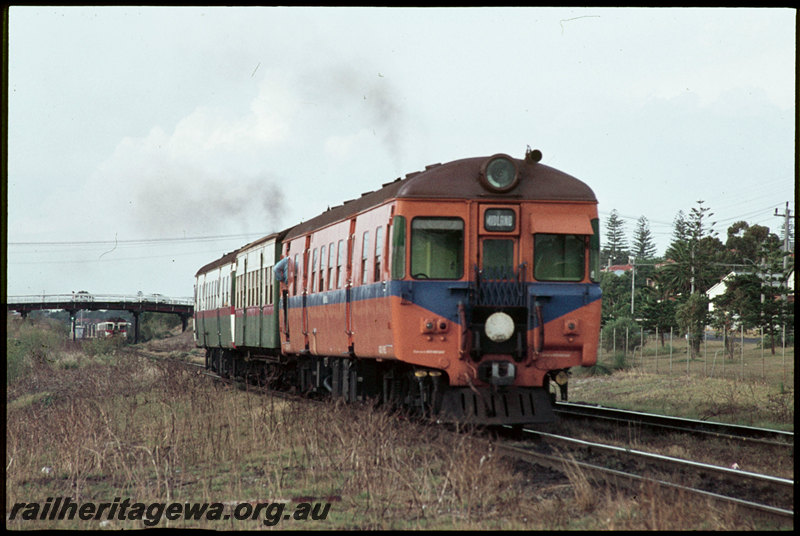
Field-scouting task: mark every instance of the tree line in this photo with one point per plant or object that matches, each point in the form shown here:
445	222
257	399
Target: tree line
669	292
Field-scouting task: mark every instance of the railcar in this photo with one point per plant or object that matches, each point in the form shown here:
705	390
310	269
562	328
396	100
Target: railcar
110	328
461	291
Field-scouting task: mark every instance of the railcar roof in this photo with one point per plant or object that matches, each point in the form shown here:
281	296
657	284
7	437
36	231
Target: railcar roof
459	179
230	258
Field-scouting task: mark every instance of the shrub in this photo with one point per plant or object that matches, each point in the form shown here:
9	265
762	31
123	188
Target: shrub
614	334
31	344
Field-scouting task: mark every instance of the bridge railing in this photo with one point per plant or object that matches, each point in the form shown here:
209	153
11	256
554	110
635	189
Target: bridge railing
80	297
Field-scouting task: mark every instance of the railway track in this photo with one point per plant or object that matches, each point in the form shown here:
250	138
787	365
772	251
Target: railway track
751	434
630	469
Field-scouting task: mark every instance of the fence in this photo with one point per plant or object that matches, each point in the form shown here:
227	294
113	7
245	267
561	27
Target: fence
669	353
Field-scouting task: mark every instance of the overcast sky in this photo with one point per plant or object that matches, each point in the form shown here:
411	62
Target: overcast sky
137	137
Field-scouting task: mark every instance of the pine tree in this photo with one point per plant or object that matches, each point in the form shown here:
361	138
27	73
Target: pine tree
616	248
679	229
697	226
696	260
643	246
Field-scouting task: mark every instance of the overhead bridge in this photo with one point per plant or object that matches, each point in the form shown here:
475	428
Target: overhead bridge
81	301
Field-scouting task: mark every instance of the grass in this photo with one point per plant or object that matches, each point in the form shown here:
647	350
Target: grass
113	424
754	389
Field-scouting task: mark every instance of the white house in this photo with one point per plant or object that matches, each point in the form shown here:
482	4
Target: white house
719	289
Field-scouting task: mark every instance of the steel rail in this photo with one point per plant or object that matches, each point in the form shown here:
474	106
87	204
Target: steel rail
779	482
716	429
629	479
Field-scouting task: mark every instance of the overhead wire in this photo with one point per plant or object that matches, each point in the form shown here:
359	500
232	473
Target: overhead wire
140	241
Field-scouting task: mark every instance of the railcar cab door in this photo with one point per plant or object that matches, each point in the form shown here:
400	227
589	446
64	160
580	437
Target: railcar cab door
500	292
498	235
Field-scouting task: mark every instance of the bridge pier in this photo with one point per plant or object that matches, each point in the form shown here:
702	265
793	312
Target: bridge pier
135	327
73	318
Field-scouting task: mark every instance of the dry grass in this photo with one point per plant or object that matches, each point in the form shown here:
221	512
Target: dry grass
752	402
118	425
750	362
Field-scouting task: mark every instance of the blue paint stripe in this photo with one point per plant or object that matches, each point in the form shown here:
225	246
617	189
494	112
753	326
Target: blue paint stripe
442	297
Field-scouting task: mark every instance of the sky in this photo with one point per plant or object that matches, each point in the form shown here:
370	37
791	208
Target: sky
145	142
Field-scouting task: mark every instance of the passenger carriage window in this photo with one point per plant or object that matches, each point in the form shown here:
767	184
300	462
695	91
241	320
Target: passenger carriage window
378	252
437	248
364	257
268	277
558	257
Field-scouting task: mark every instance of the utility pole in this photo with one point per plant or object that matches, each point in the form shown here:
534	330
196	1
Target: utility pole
632	260
786	215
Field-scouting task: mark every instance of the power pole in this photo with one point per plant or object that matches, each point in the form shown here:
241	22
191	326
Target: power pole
632	260
786	216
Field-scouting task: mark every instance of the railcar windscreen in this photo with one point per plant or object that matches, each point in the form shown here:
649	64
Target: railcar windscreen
558	257
437	248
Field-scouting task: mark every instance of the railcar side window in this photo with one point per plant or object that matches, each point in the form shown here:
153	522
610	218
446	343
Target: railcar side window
558	257
398	247
331	263
437	248
340	263
313	270
296	274
378	252
322	260
364	257
594	252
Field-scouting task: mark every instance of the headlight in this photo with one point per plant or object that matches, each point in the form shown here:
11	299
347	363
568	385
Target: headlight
499	173
499	327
